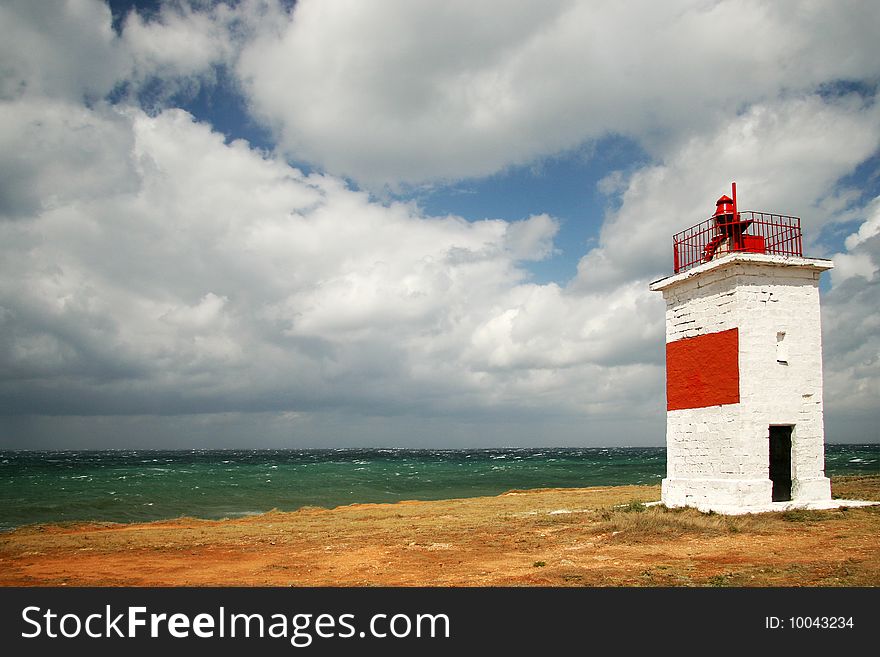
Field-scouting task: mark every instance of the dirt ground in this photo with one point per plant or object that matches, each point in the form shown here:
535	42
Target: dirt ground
553	537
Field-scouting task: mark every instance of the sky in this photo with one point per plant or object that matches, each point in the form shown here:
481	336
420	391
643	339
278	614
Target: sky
334	223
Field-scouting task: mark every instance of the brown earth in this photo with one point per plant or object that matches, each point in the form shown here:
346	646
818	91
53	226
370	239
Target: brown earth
550	537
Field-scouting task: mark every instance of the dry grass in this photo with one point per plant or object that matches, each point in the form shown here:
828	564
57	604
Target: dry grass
556	537
856	487
659	523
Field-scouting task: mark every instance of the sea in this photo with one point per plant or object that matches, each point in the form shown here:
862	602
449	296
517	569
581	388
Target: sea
145	485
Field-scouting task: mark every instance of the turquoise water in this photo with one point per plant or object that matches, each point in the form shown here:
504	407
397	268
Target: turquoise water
129	486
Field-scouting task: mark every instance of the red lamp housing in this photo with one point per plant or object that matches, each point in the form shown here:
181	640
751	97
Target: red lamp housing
731	231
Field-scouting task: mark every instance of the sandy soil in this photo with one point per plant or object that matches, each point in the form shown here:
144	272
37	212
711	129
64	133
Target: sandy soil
555	537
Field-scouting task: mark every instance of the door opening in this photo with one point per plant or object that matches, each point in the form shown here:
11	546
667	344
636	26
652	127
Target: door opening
780	462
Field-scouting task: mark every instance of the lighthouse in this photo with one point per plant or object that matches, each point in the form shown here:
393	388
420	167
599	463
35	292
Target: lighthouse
744	419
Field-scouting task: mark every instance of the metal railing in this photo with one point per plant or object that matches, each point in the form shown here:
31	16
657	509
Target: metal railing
755	232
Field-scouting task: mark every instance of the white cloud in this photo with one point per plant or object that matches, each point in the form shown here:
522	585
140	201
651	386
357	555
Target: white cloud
67	50
217	277
396	91
57	152
151	268
786	156
532	239
848	265
179	41
861	257
869	228
851	326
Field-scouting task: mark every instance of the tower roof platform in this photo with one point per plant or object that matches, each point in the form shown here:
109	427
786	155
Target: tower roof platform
729	262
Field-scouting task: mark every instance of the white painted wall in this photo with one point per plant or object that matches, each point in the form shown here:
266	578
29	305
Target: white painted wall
718	457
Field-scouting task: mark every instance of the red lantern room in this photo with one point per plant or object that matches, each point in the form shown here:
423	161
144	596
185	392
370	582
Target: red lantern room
724	206
732	231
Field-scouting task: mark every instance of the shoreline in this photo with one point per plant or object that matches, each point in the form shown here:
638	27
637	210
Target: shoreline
603	536
129	486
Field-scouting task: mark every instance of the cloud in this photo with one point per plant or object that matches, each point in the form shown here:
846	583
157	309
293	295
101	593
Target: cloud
69	51
862	256
212	277
397	92
179	41
786	155
154	269
851	326
57	152
869	228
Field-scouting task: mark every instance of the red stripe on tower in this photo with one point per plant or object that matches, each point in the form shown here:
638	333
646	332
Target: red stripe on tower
703	371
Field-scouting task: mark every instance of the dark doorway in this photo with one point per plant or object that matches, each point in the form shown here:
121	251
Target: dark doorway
780	463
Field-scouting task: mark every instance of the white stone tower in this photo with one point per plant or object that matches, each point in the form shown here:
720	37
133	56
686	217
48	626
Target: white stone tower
744	423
